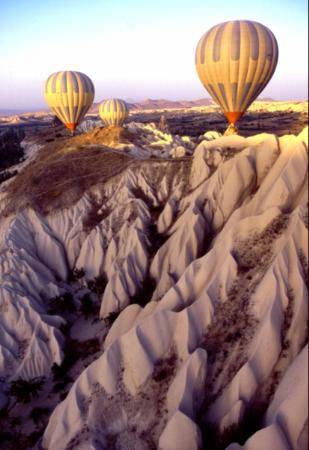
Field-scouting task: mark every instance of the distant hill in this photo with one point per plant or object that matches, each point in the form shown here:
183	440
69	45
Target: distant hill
265	99
11	112
161	104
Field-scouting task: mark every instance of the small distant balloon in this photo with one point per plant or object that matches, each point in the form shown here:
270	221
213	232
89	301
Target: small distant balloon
113	111
235	60
69	95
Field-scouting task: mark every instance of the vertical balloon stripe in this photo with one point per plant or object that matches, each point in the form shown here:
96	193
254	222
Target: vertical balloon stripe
222	90
275	53
54	81
89	85
245	97
86	84
64	88
235	45
47	87
218	43
254	40
213	93
59	113
269	45
203	44
234	95
258	64
70	96
74	82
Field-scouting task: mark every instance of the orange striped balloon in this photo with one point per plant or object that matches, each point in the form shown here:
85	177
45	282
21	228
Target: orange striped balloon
235	60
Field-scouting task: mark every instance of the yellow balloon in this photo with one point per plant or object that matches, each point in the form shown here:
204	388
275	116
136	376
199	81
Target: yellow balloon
235	60
69	95
113	111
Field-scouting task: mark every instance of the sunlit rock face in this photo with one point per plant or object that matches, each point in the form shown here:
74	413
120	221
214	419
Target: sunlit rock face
198	269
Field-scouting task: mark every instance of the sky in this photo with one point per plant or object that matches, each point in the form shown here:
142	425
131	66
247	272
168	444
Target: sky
136	49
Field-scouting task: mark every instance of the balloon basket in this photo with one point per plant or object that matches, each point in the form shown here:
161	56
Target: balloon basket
231	130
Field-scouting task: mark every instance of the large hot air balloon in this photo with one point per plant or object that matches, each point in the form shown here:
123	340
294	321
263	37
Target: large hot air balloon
69	95
114	111
235	60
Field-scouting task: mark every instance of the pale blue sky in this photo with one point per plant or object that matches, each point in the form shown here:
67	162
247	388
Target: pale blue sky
136	49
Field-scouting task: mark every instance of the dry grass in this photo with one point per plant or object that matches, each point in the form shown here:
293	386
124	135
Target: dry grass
61	174
66	167
111	135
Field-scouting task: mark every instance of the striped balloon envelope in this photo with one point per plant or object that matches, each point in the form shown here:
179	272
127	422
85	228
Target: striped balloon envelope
235	60
69	95
113	111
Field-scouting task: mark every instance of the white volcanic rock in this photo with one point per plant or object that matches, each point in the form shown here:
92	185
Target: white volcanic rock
167	216
91	256
174	256
271	106
89	124
145	374
226	250
208	155
30	341
152	141
211	135
286	421
178	152
181	433
303	136
129	270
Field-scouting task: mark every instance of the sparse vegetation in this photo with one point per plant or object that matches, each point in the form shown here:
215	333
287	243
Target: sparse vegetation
39	414
111	318
96	214
20	441
150	397
10	150
230	330
61	304
97	285
144	294
75	350
76	274
88	307
6	175
26	390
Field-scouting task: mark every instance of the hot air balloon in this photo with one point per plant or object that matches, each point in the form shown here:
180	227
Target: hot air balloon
114	111
69	95
235	60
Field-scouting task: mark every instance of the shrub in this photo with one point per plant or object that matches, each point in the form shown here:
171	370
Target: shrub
88	307
97	285
110	319
61	385
6	175
76	274
37	414
59	373
26	390
61	304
